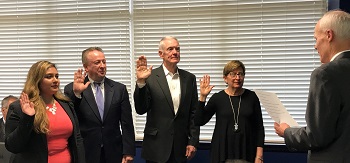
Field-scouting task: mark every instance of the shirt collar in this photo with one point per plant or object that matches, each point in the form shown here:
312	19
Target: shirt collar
167	72
92	81
336	55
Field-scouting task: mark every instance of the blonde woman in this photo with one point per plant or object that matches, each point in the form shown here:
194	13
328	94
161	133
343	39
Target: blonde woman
42	126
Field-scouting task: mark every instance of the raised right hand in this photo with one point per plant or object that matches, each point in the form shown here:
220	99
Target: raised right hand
205	86
26	105
78	84
142	72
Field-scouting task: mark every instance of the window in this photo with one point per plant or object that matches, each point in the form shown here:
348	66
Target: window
273	38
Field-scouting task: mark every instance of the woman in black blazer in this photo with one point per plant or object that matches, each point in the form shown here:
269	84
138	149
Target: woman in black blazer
42	126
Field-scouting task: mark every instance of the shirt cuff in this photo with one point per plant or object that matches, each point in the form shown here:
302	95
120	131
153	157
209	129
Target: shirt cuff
77	96
140	85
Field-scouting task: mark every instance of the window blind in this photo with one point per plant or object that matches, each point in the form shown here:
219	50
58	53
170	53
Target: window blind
59	31
273	38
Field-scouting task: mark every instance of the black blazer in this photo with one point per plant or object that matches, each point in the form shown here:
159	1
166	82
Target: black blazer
31	147
2	130
164	130
326	135
117	116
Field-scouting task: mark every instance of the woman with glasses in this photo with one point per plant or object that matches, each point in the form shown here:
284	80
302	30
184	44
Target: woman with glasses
239	132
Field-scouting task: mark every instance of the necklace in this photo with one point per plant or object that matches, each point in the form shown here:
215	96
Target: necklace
234	114
53	109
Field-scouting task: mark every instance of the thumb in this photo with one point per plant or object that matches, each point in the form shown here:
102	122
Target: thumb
86	84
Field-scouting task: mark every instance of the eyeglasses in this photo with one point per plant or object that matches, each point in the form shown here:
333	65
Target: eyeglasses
234	75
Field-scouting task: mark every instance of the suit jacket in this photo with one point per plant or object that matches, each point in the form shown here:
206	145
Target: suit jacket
2	130
31	147
164	130
107	132
326	135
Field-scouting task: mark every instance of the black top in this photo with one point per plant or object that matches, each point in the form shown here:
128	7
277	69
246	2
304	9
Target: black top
227	143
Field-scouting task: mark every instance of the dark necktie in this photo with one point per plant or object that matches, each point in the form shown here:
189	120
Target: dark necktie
99	99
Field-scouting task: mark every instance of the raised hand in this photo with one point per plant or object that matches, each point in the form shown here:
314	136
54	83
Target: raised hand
26	105
142	72
205	86
78	84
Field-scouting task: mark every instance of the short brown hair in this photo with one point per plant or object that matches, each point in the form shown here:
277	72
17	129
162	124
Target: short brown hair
232	65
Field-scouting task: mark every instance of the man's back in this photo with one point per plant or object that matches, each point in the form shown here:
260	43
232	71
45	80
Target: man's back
327	115
336	139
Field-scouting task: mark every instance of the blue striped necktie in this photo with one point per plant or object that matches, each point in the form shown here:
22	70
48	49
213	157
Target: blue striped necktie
99	99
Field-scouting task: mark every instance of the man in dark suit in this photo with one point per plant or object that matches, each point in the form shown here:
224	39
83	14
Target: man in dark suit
5	103
169	97
101	123
326	135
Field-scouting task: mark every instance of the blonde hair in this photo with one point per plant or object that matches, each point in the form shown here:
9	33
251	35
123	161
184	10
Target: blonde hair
31	87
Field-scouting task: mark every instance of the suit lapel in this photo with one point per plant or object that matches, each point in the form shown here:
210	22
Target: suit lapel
109	91
163	84
67	109
90	99
2	128
183	86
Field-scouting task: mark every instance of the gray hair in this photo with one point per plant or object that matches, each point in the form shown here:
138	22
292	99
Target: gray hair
161	42
5	101
86	52
338	21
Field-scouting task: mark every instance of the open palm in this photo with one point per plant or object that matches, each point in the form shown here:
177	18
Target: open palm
205	86
78	84
26	105
142	72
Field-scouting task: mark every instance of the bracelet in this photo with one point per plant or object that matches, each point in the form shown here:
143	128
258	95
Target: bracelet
260	158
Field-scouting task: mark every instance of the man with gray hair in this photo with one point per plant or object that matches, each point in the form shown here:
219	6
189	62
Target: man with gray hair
169	96
5	103
326	135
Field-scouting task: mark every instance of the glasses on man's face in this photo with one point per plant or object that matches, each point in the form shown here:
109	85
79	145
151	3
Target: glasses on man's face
234	75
